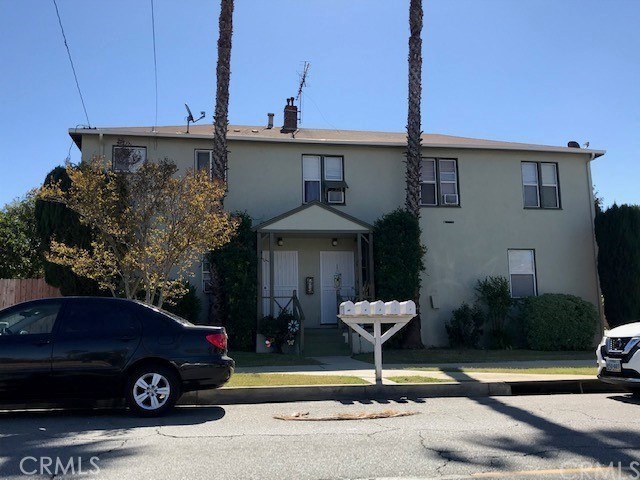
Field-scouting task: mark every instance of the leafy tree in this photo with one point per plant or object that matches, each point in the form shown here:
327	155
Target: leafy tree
20	253
237	265
398	262
148	227
618	236
55	219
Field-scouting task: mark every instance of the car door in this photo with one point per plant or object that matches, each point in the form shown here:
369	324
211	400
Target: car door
93	346
26	339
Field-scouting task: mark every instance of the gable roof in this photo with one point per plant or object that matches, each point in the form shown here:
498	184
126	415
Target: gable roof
314	217
322	136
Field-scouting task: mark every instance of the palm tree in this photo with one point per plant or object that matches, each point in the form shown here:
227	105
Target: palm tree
412	337
220	125
223	74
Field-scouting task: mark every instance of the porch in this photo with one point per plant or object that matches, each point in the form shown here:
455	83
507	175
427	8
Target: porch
312	258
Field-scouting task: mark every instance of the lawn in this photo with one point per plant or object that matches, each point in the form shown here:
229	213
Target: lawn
277	379
249	359
530	371
440	356
416	379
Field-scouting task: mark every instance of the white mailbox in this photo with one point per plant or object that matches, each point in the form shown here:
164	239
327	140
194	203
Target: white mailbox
347	308
392	308
377	313
407	308
376	308
362	308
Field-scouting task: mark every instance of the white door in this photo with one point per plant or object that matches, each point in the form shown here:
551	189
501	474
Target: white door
285	279
337	271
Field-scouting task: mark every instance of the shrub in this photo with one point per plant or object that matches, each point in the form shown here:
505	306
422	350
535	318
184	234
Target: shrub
188	306
280	330
465	327
559	322
494	296
618	235
236	264
398	258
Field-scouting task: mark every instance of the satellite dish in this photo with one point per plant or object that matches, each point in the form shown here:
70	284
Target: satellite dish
190	118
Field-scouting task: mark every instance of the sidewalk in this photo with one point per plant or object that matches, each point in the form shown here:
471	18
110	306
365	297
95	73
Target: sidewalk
456	383
347	366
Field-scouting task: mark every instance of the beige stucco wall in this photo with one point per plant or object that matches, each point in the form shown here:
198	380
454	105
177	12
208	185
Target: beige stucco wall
265	179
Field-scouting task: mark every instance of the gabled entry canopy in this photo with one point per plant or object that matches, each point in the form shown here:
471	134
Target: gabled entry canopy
314	217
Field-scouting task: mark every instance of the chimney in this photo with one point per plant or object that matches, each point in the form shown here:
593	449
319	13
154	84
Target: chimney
290	117
270	123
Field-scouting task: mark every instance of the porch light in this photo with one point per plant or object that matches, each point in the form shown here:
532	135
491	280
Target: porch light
334	242
280	241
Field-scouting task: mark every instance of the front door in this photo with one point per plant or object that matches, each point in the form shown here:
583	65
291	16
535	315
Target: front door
337	274
285	279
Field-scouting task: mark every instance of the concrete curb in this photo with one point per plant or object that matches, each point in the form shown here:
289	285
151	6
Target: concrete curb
254	395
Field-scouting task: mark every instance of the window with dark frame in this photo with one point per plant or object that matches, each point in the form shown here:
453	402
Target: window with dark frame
522	273
540	185
128	159
323	179
439	182
203	161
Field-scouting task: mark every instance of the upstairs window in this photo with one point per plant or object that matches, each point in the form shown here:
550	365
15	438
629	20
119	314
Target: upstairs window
439	182
323	179
540	185
128	158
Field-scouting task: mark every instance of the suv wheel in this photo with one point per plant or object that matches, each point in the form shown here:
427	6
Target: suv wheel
152	390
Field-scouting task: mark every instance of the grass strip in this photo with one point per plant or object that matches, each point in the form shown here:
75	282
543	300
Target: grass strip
281	379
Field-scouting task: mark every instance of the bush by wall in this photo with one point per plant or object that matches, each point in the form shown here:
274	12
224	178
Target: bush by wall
465	327
559	322
237	268
494	296
618	236
188	306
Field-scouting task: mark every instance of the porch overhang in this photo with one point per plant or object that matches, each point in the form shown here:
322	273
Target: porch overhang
314	218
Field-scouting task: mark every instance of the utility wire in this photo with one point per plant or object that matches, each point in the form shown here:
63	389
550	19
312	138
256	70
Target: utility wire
155	62
64	37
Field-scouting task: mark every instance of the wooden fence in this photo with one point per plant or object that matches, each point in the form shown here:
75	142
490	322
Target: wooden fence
14	291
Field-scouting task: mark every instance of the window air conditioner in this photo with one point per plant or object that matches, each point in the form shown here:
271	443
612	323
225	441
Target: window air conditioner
450	199
335	196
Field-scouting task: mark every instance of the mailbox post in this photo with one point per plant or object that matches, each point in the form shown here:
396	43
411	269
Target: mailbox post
377	313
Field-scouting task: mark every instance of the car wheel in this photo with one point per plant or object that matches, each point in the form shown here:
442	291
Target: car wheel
152	390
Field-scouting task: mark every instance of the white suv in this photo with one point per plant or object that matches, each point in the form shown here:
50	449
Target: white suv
618	357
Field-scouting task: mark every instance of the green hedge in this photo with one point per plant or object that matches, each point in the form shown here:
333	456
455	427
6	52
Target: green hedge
559	322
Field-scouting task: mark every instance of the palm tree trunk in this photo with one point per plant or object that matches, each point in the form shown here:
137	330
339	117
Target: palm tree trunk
412	337
220	125
223	75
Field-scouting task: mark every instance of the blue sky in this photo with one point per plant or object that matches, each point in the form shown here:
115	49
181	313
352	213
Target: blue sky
536	71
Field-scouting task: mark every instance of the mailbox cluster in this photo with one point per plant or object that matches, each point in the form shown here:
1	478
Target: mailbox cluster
379	308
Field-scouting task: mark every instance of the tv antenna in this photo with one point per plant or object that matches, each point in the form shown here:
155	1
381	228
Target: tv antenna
190	118
303	83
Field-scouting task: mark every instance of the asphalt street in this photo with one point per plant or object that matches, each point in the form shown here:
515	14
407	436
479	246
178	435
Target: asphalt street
555	436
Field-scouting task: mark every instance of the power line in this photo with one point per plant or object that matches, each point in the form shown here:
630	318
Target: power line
64	37
155	62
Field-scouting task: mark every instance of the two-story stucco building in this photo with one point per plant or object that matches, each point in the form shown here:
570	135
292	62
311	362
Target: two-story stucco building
489	208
